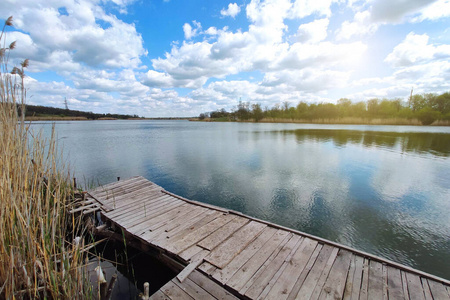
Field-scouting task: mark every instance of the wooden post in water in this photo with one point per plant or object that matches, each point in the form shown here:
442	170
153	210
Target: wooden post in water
118	178
75	183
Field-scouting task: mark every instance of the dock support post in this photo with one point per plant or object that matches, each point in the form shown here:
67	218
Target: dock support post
118	178
146	291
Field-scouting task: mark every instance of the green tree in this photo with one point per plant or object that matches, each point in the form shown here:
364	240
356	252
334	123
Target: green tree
257	112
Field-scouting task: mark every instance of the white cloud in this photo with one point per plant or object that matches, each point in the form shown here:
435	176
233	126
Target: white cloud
361	25
396	11
414	49
190	32
232	10
313	32
304	8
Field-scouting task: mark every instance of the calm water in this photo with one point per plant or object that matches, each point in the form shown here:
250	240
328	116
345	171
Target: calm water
380	189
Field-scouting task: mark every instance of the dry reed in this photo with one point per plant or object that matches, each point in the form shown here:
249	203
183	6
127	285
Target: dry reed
38	258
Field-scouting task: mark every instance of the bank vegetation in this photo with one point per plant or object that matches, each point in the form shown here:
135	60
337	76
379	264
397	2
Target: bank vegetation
426	109
42	252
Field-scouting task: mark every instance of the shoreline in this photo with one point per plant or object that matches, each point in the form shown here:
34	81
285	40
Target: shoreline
340	121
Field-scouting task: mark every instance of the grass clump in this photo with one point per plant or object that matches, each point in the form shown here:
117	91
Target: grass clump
38	258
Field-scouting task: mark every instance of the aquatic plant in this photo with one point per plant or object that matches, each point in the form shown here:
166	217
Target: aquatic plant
40	256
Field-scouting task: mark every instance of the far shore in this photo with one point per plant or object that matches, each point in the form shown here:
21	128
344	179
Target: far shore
340	121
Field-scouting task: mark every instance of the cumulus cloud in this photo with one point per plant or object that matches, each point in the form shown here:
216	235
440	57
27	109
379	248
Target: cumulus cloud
395	11
361	25
232	11
415	49
189	31
313	32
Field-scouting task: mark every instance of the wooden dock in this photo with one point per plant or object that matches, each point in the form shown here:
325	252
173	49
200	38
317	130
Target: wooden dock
226	255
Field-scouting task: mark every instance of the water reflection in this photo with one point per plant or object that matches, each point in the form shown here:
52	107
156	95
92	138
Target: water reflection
417	142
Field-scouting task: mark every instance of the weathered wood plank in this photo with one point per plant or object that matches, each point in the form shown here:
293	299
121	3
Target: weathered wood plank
226	251
364	292
223	233
305	272
273	260
335	283
395	286
178	223
315	280
190	252
144	226
223	275
415	288
207	268
294	267
213	288
438	290
375	289
350	285
426	289
197	235
173	291
193	290
158	295
148	210
146	205
172	216
192	266
131	208
171	237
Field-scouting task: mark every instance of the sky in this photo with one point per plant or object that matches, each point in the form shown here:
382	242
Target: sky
172	58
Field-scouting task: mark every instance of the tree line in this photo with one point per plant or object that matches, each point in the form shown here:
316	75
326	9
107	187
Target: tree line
39	111
427	108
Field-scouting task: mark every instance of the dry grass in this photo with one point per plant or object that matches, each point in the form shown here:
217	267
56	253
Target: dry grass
37	256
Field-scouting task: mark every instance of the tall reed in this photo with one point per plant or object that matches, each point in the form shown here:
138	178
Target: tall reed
38	258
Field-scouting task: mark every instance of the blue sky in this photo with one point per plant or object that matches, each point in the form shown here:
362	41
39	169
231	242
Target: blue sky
180	58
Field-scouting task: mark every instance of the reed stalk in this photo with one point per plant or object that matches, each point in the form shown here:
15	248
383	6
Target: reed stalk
38	258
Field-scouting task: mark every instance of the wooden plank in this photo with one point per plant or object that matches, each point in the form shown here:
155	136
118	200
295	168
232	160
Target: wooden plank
173	291
188	209
294	266
179	222
395	286
141	228
130	223
190	252
385	283
272	263
118	184
404	285
375	288
305	272
226	251
170	237
158	295
438	290
426	289
207	268
349	285
315	280
364	292
192	266
193	290
223	233
415	288
197	235
213	288
145	205
223	275
335	283
118	198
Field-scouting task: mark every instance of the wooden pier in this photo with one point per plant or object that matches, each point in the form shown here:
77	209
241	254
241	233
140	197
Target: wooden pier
224	254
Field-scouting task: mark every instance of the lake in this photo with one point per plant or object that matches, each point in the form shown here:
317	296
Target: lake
381	189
